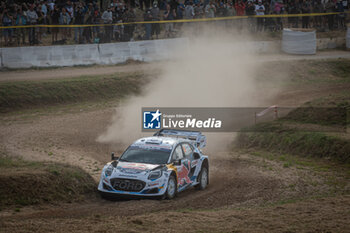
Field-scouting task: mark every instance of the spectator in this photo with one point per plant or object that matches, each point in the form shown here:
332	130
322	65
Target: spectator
230	9
55	20
78	20
169	14
210	10
128	17
278	9
155	17
305	9
250	11
7	21
64	20
20	21
198	10
107	18
341	16
260	10
87	31
189	11
39	30
240	8
32	18
148	27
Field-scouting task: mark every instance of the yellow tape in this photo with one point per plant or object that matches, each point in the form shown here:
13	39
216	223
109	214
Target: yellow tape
175	21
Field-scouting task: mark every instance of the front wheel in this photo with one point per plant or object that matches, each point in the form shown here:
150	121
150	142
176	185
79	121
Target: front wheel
171	189
203	179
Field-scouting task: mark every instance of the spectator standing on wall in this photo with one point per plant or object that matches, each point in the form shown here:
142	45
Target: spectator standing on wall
32	18
260	10
55	20
155	17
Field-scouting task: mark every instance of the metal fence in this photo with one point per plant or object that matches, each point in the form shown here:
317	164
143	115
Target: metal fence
105	33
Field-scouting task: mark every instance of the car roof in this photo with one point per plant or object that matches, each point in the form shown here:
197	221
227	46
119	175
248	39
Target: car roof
169	142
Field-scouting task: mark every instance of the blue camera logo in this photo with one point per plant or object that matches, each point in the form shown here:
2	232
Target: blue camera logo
152	120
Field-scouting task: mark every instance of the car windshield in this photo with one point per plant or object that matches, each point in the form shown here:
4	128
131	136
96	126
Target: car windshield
142	155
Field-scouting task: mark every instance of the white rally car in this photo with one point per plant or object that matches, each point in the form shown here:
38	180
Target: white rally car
163	165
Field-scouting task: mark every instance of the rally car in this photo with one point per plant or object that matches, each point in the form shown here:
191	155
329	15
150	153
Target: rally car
163	165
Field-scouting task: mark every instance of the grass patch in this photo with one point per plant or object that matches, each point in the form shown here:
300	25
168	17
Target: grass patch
277	138
21	184
28	94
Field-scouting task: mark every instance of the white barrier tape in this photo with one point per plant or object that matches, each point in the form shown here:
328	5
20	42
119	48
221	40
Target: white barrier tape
267	110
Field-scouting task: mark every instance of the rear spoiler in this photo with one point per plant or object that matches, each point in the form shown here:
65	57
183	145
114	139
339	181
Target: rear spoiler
196	136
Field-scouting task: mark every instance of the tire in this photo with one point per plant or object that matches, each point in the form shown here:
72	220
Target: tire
171	190
203	179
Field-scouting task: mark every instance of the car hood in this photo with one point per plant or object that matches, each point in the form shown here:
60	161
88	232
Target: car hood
134	168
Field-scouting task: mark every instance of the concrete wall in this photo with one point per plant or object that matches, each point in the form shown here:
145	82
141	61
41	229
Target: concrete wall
114	53
70	55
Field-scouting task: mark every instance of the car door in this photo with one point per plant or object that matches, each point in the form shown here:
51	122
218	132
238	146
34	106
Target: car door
182	165
193	160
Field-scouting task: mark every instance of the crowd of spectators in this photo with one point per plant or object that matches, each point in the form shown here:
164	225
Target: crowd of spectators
91	12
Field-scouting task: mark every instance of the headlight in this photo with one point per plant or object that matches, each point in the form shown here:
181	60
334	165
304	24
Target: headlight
109	170
155	175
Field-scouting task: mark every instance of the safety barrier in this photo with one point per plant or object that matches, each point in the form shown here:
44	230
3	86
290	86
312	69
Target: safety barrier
88	54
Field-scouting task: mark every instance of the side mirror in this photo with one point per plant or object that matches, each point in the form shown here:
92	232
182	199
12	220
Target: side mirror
177	162
196	155
113	157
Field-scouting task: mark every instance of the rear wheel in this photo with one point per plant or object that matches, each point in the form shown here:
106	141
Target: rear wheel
171	188
203	179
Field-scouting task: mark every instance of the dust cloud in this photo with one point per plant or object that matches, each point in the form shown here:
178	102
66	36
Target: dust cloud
211	70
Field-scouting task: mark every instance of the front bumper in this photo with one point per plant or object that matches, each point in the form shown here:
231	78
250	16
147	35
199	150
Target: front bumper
151	188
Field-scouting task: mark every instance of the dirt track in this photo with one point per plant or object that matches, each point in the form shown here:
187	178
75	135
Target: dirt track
69	72
240	183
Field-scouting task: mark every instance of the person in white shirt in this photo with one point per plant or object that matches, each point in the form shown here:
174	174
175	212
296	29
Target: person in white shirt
107	18
32	18
189	11
260	10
